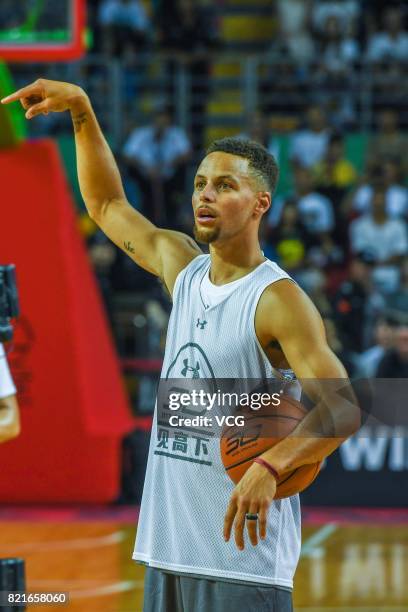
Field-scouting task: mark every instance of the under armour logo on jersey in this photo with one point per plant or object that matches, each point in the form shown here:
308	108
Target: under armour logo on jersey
201	324
188	368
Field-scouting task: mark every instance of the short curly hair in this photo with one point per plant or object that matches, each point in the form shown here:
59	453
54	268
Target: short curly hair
262	164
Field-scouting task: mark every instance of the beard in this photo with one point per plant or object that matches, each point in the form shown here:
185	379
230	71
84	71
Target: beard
206	235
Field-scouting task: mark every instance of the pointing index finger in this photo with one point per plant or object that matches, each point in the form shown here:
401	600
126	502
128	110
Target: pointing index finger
25	92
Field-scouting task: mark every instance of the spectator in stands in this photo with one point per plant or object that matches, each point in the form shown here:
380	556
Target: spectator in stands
189	29
258	130
186	26
332	79
368	361
124	26
315	210
316	216
337	51
346	11
309	145
333	177
386	175
102	254
386	239
372	12
391	43
295	36
336	345
355	304
288	239
394	363
334	172
398	301
396	190
389	141
156	156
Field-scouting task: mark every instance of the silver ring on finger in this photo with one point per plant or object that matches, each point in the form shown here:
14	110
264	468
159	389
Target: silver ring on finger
251	517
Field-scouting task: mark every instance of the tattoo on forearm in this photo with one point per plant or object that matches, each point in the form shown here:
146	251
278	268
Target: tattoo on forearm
79	120
128	247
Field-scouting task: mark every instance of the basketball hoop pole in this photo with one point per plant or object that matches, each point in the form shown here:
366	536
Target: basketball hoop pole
12	579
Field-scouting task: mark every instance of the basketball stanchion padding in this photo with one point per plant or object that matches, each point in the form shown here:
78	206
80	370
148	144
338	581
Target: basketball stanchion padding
263	429
12	578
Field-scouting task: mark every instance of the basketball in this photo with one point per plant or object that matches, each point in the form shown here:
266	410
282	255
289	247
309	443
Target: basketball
264	428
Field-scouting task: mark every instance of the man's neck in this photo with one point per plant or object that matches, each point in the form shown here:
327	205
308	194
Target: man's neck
233	260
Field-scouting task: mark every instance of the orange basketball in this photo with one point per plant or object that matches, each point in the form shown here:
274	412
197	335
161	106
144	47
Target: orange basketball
264	428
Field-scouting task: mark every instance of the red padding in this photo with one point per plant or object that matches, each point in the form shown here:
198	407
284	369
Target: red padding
73	406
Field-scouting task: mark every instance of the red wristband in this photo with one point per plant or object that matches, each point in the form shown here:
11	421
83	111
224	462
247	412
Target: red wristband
268	466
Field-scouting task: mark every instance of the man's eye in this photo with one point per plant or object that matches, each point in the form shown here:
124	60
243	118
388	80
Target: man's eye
225	186
200	185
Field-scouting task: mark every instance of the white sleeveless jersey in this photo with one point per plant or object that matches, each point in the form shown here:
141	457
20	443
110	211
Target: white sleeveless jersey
186	490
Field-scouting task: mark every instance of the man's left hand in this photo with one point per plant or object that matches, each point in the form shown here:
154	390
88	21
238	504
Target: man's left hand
253	494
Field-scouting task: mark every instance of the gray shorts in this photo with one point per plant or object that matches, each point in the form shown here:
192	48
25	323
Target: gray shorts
166	592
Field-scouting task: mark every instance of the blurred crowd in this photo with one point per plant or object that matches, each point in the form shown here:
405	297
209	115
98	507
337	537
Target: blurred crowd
339	31
340	232
127	27
338	229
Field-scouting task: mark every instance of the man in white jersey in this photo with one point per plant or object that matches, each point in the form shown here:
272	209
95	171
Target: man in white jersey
9	416
235	315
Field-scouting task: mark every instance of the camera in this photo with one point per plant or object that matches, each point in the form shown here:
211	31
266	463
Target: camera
9	305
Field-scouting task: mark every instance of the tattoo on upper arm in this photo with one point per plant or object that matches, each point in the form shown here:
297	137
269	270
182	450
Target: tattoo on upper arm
79	120
128	246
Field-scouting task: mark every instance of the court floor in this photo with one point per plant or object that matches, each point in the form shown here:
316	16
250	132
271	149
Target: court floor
354	560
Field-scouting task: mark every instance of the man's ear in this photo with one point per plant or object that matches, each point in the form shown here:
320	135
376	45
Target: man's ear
263	203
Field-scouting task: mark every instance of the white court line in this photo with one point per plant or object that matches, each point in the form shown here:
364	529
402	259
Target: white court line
93	588
313	543
109	589
97	542
65	583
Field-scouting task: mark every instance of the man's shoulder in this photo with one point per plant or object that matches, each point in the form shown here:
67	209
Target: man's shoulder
279	291
288	303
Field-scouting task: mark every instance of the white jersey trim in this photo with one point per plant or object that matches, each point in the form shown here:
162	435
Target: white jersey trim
178	277
202	571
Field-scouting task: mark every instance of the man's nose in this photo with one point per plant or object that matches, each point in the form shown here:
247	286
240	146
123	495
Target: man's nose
208	194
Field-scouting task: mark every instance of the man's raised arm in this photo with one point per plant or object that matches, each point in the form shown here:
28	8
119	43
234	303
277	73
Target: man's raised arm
162	252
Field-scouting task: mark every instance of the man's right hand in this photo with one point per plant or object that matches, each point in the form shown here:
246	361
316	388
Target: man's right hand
162	252
44	96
